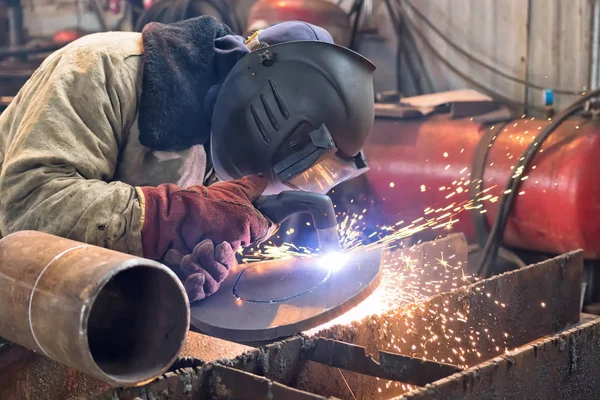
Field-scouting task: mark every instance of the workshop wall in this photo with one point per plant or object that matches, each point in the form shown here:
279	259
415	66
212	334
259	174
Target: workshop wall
377	42
45	17
551	43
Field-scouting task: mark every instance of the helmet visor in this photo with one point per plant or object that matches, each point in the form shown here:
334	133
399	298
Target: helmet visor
327	173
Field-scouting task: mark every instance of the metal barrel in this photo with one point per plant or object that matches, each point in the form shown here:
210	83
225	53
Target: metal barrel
119	318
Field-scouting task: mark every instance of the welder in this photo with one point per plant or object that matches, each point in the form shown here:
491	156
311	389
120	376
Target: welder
115	139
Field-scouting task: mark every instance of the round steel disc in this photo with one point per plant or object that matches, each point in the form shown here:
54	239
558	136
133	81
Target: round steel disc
271	299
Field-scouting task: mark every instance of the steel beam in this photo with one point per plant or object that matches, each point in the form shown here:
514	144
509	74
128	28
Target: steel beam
391	366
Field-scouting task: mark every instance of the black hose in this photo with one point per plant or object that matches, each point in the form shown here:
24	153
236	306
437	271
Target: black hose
399	29
356	8
490	250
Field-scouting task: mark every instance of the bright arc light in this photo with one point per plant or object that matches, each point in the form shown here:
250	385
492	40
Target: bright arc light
333	261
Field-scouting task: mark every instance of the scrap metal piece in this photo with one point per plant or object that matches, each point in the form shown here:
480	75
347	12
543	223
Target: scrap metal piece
396	367
273	299
119	318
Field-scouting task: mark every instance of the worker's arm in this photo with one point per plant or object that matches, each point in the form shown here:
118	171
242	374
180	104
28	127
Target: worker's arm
71	121
64	135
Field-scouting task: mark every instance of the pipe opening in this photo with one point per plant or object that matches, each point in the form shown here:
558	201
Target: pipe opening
137	324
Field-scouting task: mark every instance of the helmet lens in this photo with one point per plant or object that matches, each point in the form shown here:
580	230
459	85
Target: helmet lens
325	174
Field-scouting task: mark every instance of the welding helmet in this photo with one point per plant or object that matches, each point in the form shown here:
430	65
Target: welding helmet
298	112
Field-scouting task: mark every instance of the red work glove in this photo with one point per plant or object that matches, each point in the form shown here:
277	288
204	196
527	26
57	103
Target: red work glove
179	219
202	271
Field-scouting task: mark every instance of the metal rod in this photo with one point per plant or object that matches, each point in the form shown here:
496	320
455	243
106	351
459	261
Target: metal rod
527	56
403	37
396	367
359	7
414	52
119	318
97	9
15	18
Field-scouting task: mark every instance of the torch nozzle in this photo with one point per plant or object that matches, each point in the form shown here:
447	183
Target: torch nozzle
328	239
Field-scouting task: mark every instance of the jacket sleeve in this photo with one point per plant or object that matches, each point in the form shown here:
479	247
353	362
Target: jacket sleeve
65	129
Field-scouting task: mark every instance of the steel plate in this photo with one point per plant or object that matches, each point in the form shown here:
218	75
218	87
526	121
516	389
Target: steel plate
272	299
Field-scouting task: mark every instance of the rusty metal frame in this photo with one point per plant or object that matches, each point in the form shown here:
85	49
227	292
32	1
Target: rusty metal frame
391	366
294	353
231	379
304	367
561	366
525	304
538	300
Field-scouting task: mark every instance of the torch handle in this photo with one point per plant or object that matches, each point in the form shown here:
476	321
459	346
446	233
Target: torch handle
280	207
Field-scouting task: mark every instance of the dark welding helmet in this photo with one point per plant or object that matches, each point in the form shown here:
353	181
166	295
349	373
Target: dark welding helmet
297	112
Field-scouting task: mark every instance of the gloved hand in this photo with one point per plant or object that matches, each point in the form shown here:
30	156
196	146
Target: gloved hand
204	269
179	219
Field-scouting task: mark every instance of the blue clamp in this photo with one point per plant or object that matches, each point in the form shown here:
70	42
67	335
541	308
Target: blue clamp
548	97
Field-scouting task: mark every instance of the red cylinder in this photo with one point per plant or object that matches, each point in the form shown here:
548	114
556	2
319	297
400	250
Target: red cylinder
323	13
420	163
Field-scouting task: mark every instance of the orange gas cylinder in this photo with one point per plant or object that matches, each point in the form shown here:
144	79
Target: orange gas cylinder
429	162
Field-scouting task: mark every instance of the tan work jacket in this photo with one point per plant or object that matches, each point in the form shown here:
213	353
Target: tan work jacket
70	158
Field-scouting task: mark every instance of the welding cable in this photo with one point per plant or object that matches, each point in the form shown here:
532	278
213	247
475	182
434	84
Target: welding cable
476	187
491	248
399	46
403	36
481	63
119	24
490	251
357	7
513	184
511	257
503	253
463	76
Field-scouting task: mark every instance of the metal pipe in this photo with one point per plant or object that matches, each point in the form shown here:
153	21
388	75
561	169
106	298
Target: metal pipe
97	9
119	318
15	18
595	47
